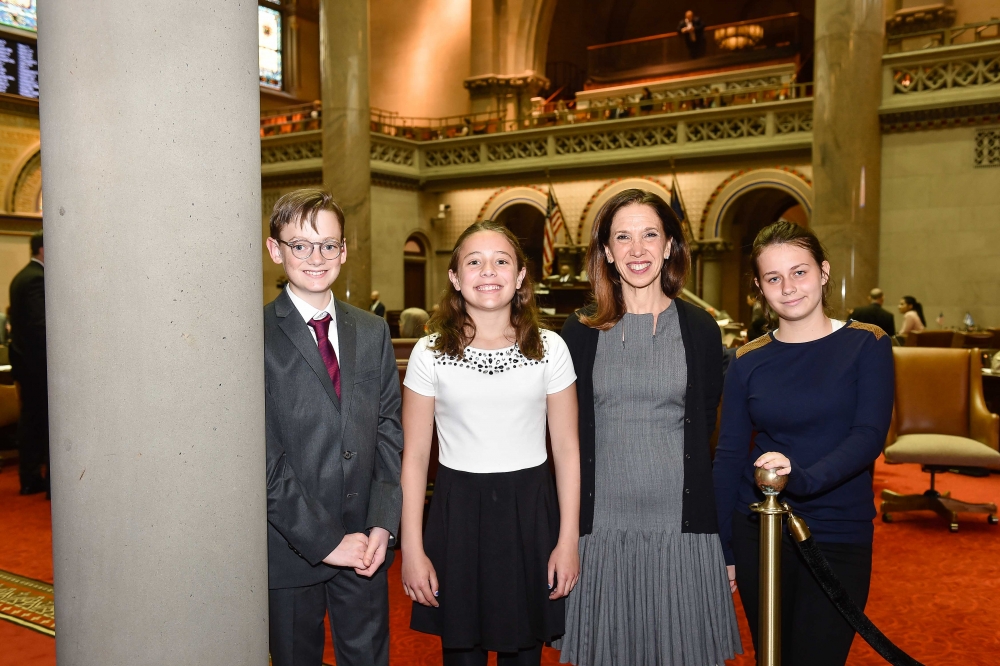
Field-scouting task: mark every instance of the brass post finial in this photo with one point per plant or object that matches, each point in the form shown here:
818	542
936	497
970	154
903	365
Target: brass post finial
769	482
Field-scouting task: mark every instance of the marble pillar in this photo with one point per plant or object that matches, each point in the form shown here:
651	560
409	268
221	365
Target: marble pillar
155	343
847	145
346	137
711	279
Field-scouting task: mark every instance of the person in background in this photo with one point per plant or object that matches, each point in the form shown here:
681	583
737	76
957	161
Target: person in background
377	307
499	552
30	369
565	275
411	322
812	399
758	322
5	327
913	317
874	313
646	101
653	589
693	32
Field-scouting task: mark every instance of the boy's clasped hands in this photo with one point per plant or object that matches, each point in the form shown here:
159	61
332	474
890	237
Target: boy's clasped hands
364	553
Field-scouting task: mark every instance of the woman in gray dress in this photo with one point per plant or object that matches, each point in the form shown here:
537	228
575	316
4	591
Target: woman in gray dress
653	589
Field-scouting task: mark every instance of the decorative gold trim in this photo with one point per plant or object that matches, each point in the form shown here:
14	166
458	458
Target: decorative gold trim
871	328
755	344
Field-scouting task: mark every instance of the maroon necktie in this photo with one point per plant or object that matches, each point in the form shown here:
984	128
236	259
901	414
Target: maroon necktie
322	328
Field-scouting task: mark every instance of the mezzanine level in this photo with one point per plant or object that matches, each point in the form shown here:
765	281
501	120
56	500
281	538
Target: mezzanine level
750	120
747	114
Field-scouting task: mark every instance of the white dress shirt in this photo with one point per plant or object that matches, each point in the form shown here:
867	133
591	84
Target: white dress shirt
309	312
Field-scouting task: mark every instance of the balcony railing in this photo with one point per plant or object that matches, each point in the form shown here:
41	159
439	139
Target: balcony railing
749	128
740	43
969	33
309	117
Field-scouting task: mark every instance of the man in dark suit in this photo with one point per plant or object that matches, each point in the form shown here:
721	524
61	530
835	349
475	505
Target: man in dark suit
27	358
875	314
377	307
693	32
334	444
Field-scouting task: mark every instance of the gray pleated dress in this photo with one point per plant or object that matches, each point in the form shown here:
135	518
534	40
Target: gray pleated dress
648	595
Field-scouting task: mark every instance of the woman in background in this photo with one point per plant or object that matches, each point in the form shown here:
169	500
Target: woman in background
653	589
913	316
500	550
818	394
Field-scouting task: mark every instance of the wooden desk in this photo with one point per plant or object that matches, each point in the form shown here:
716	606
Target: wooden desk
991	391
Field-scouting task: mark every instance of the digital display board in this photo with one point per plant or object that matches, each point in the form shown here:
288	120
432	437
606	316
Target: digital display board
18	68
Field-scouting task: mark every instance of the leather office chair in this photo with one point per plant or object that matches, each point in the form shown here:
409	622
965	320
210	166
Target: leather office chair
940	421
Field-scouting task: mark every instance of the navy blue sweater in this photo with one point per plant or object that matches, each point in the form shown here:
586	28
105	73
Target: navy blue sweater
824	404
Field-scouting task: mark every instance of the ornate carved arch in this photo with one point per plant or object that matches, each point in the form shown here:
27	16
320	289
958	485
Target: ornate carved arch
508	196
24	192
608	190
782	178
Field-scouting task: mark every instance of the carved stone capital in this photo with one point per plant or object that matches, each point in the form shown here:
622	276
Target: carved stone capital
710	248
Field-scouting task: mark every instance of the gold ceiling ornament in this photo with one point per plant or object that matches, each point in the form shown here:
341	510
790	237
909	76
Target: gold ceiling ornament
738	37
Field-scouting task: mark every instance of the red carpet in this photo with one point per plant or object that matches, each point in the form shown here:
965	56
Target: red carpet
934	593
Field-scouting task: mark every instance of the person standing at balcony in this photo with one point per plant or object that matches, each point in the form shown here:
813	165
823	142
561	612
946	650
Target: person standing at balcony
812	399
693	32
499	554
653	589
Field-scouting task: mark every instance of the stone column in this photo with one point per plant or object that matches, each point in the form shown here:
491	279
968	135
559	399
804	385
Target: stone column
346	136
847	144
155	345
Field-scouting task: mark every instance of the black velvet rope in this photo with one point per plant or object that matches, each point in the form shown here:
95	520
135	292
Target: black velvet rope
855	616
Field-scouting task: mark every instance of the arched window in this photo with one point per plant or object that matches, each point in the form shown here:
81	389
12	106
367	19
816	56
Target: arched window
19	14
415	273
270	43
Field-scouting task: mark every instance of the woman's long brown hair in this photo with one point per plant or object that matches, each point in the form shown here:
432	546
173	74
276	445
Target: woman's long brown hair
452	323
610	304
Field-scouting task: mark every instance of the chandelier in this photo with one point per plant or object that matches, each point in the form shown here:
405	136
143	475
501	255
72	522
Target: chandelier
738	37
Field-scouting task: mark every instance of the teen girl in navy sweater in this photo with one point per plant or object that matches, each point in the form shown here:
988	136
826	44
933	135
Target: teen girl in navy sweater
818	394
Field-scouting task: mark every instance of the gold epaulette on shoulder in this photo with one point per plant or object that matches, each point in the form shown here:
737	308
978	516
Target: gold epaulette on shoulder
871	328
754	344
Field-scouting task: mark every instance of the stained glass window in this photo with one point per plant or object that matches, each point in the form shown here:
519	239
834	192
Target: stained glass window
19	14
269	44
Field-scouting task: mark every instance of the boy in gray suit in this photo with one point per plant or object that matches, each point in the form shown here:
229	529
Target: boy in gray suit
334	445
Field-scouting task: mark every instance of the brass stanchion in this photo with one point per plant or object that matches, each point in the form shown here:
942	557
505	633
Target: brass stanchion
770	510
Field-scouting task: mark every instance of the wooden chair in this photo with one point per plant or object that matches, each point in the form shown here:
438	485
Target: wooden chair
928	338
940	422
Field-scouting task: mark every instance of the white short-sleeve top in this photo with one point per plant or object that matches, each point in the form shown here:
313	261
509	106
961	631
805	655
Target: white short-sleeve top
490	406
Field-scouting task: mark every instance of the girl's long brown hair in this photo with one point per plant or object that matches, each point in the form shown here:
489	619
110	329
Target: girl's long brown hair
609	302
452	323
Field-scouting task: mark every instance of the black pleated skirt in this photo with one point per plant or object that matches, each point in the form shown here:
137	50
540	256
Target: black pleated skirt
489	537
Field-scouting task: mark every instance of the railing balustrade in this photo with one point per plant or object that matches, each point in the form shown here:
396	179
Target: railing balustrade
309	117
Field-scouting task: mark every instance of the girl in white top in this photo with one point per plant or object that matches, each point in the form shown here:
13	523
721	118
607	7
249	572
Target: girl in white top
499	553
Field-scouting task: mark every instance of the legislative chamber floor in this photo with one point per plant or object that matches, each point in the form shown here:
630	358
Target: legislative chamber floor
933	593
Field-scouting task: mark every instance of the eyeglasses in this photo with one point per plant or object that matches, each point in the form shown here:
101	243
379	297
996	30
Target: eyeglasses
303	249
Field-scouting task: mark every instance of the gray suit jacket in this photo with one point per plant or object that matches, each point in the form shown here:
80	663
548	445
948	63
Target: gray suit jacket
333	465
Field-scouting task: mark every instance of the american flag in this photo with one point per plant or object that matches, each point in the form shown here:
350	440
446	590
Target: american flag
553	224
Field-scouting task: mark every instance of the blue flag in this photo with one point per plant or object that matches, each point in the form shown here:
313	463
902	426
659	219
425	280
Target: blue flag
675	202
